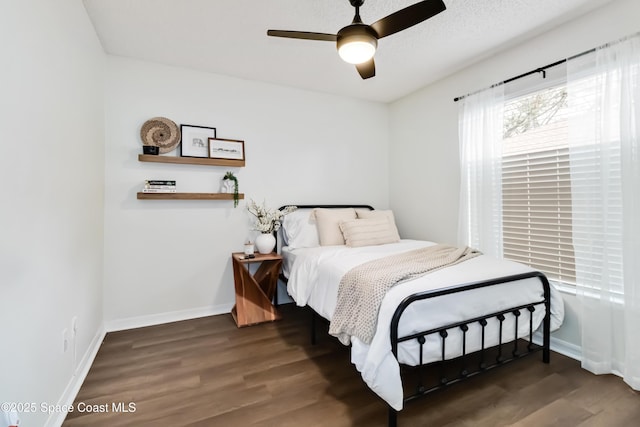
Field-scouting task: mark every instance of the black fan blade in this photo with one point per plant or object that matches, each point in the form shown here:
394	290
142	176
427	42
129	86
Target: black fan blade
303	35
407	17
367	69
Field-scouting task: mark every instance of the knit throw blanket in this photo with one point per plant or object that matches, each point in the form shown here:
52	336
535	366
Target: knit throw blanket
363	287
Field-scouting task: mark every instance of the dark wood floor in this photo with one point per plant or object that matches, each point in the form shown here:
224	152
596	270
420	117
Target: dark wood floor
206	372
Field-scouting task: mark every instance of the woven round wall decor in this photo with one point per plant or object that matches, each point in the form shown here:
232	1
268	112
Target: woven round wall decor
161	132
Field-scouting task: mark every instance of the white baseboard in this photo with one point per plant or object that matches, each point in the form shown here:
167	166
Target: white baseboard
81	371
559	346
73	387
160	318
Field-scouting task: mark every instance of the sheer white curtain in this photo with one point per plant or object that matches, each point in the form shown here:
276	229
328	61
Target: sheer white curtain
480	129
604	133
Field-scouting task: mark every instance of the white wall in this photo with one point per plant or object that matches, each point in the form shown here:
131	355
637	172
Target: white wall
166	260
425	185
51	221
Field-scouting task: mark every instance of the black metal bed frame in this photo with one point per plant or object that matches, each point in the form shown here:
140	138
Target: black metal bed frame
484	364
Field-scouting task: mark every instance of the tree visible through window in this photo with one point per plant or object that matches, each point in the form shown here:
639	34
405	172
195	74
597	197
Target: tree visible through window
536	184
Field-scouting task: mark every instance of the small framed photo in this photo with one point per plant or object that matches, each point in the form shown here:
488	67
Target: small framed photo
195	140
231	149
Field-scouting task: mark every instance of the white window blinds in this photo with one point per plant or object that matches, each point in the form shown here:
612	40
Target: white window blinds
550	179
536	184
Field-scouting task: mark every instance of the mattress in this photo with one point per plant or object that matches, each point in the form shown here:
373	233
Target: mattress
314	275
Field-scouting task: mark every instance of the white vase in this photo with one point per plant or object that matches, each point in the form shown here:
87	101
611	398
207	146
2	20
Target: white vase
265	243
228	186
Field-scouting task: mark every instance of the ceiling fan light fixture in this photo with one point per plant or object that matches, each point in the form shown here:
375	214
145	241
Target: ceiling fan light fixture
356	44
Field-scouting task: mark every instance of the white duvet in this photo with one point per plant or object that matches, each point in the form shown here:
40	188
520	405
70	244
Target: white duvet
315	274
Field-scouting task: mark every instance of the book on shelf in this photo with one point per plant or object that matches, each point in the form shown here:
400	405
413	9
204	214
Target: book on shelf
160	187
159	182
158	190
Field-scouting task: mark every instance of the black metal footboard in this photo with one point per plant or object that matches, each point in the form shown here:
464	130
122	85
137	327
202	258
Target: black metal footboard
483	362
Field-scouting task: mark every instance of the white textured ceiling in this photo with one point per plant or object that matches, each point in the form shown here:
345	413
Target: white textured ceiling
229	37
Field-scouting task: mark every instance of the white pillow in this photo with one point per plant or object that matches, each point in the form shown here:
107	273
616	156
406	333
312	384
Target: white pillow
368	232
328	223
367	214
299	230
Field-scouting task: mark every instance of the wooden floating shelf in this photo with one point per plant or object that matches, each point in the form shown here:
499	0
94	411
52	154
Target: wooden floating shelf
190	160
188	196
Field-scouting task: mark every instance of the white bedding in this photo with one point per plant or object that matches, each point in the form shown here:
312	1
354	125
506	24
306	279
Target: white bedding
315	273
288	258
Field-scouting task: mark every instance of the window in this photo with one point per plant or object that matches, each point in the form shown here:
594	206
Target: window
546	186
536	184
542	173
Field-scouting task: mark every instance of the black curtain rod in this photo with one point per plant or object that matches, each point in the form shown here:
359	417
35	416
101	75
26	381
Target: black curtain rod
537	70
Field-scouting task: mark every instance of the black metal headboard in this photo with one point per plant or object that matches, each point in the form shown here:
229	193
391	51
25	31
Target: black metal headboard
329	206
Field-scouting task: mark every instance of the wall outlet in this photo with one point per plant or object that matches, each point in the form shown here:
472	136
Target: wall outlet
65	340
74	343
74	326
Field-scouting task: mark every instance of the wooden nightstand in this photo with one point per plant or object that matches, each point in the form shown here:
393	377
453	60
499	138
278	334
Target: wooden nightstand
255	292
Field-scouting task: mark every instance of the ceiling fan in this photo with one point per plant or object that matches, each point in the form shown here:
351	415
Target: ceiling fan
357	42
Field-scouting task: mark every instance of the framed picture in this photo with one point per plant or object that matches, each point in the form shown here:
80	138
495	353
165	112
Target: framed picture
195	140
232	149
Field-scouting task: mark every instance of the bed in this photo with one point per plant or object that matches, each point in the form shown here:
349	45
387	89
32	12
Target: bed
474	315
